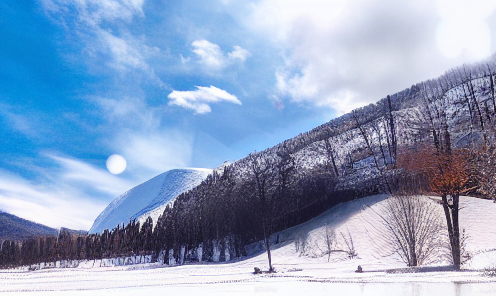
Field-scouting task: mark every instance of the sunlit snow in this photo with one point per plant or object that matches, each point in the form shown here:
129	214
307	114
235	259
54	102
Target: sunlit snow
301	265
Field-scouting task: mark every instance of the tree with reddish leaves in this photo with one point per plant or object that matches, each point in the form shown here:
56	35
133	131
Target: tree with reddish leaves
450	175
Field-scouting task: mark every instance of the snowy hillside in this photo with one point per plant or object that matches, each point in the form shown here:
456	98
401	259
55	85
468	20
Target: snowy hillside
300	260
149	198
359	221
461	103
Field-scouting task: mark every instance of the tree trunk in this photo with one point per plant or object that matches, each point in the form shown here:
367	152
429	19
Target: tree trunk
436	140
456	252
451	214
476	104
267	245
365	138
492	89
330	153
393	131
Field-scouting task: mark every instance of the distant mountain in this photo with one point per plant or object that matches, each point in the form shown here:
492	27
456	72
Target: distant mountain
15	228
149	198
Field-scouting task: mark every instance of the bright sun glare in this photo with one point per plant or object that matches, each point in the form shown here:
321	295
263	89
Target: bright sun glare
116	164
464	27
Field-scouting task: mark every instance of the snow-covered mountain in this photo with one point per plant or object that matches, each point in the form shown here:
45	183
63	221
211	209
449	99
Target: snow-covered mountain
149	198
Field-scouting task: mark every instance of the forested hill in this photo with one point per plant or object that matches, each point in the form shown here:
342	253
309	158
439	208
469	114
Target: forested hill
393	145
15	228
355	155
359	150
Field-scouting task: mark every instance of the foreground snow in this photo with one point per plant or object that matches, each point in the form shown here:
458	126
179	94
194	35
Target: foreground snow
300	261
225	279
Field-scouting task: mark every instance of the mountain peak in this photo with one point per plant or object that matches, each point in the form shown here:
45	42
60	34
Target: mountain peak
148	198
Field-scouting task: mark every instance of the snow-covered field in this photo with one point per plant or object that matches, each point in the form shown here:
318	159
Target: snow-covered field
301	263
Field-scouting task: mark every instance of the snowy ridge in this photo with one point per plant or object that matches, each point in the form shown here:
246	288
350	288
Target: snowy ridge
182	181
147	197
355	161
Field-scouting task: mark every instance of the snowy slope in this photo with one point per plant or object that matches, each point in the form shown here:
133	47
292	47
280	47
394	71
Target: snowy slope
299	260
150	197
306	242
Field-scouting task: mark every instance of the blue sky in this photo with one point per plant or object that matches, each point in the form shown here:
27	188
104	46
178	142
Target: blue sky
173	84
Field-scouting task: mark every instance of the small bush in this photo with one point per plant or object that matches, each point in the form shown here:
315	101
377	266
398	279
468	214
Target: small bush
490	271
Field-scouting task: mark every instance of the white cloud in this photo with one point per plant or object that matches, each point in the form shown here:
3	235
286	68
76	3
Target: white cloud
123	54
94	12
278	18
184	60
17	122
198	100
345	54
239	53
212	57
80	173
209	53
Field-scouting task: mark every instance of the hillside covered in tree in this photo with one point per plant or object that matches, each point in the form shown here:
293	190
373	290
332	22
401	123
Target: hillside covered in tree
15	228
445	126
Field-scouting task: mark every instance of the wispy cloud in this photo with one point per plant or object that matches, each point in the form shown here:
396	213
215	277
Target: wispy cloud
136	132
199	100
211	56
239	53
17	122
121	50
84	175
62	198
150	154
127	53
94	12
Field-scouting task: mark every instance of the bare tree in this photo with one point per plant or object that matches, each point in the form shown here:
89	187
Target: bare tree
485	161
392	129
261	168
366	139
330	240
376	126
412	228
349	244
329	149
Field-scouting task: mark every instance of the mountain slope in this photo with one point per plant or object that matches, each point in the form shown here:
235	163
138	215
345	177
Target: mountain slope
149	198
352	156
15	228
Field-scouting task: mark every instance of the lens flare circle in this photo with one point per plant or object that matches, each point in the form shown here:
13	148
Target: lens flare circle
116	164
